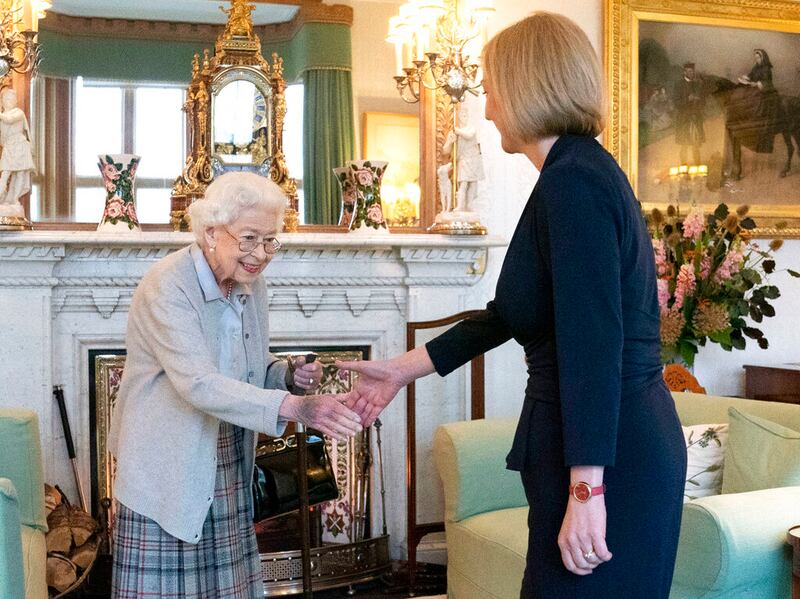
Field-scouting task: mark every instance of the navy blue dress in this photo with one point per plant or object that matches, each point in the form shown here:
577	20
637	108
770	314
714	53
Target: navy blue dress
578	291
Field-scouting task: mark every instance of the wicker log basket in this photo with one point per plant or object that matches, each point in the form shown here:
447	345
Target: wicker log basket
72	543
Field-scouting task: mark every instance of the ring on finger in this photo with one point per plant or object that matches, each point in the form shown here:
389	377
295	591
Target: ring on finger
588	554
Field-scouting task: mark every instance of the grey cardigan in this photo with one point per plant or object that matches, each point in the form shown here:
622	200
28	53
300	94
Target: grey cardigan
172	397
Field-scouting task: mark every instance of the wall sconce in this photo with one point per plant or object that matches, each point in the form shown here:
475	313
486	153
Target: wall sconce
430	36
19	49
432	40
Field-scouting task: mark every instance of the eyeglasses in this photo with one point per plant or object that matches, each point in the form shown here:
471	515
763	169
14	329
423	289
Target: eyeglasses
249	243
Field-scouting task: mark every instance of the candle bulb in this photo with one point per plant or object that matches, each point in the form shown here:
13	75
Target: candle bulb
683	169
398	58
703	169
673	171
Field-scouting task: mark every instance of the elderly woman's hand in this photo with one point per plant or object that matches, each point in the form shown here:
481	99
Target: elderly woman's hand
327	413
306	376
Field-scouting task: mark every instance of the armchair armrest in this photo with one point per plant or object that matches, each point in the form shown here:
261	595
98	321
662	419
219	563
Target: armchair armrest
12	578
21	462
471	460
729	543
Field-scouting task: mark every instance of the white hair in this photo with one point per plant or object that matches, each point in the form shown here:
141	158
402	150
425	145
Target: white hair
229	195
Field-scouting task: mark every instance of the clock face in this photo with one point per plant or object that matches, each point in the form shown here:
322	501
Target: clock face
259	111
581	492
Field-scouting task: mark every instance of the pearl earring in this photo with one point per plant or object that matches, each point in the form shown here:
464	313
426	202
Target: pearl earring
212	249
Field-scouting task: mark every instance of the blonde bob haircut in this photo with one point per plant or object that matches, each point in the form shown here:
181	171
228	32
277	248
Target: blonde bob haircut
232	193
545	78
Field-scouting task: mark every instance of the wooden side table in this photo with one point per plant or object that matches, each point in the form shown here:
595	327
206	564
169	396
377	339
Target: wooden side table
769	383
793	537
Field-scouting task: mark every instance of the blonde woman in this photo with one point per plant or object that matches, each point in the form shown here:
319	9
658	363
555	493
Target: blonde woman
599	445
199	383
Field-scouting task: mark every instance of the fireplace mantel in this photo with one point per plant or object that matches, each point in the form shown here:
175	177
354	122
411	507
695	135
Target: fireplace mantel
63	293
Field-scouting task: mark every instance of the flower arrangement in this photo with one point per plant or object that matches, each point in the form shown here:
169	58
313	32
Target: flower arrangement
712	279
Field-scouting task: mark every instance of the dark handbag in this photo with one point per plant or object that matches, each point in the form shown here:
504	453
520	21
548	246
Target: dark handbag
275	476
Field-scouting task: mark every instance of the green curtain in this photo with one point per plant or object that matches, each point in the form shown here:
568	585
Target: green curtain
328	140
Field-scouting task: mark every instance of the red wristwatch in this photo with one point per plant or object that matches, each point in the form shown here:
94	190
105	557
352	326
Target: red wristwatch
583	492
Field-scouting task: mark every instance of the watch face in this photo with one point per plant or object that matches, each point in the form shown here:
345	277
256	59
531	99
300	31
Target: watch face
582	492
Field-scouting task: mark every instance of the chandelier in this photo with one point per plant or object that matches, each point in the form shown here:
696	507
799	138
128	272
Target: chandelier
19	49
432	40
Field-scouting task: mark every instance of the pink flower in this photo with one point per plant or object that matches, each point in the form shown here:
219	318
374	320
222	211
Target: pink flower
731	265
130	211
111	187
110	171
663	293
374	213
115	209
694	224
705	266
684	286
349	195
661	257
364	176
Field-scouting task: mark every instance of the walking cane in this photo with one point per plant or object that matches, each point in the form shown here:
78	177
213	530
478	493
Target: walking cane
58	393
302	487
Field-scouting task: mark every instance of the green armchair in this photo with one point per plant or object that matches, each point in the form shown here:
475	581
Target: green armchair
731	546
23	553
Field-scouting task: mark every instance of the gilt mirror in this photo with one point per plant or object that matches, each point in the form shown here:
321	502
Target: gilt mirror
132	99
240	120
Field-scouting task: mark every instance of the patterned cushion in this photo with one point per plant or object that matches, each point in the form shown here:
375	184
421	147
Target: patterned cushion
705	449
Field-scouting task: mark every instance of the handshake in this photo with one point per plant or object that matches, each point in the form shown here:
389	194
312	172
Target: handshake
342	415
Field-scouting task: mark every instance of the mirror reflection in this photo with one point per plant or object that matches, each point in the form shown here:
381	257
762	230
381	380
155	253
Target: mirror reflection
240	123
121	89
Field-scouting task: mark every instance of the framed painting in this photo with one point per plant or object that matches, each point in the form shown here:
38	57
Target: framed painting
394	137
105	374
705	98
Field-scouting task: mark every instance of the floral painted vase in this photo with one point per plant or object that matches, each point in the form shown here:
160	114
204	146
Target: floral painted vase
119	174
348	195
361	179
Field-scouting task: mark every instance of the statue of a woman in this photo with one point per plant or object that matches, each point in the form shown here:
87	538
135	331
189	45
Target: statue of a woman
16	158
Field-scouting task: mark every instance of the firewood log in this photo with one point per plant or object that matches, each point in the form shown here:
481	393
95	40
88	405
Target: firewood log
68	523
84	555
52	498
82	525
59	540
61	572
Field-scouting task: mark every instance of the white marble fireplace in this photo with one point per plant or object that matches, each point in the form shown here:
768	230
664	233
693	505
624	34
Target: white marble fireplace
63	294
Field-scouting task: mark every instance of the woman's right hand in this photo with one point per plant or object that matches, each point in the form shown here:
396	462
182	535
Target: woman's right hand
378	384
330	414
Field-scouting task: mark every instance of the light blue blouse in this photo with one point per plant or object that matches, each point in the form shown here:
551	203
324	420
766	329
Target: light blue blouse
232	351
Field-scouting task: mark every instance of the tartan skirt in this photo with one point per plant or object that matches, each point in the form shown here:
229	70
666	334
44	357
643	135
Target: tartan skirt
149	562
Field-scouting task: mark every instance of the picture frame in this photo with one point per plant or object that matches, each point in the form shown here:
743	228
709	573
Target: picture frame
395	138
105	375
733	122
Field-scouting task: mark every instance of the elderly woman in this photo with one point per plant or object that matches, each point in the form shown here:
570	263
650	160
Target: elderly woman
199	383
598	443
